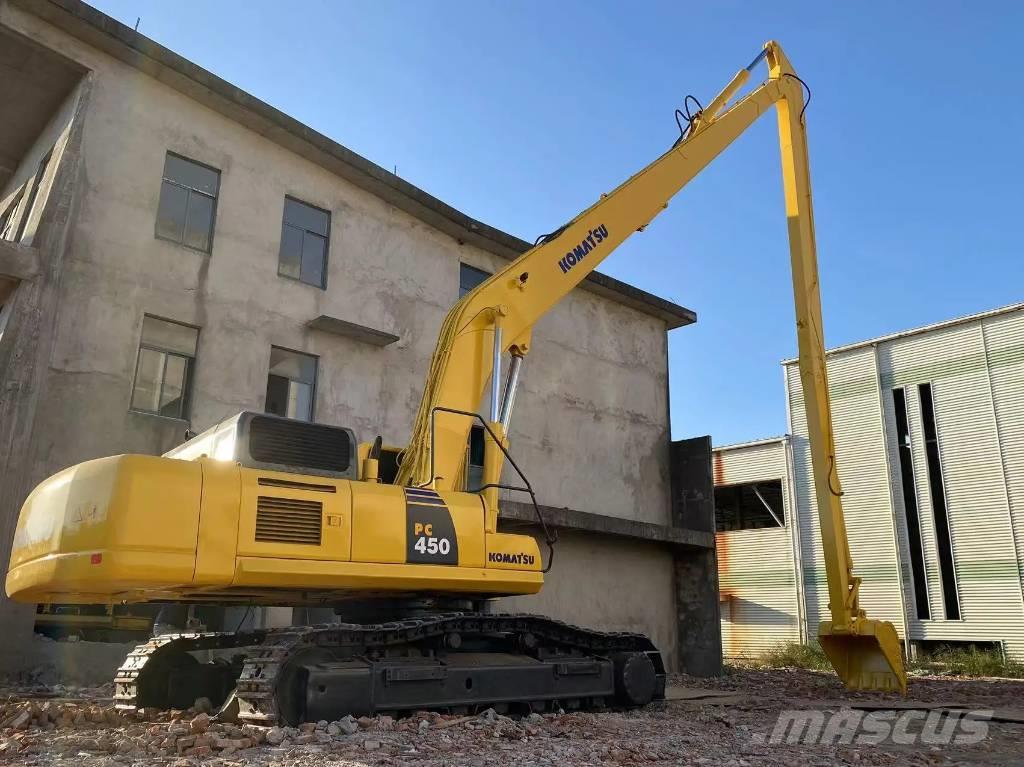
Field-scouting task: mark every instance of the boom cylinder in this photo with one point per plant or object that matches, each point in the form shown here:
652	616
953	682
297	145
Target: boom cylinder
511	384
496	373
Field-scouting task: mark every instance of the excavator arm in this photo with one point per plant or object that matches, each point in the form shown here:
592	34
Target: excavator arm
497	318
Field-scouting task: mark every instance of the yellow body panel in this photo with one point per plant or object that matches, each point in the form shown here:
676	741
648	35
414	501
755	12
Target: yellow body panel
335	499
104	526
216	547
136	528
268	573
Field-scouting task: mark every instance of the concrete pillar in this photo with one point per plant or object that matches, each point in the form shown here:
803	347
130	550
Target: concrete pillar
696	569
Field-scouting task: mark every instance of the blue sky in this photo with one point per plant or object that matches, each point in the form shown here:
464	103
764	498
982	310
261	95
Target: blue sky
521	113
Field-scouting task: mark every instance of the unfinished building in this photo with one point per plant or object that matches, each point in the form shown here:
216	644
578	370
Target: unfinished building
175	251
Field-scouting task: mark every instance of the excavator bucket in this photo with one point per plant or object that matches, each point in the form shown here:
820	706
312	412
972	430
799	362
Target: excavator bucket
867	656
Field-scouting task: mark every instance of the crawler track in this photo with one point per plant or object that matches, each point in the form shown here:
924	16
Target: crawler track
451	661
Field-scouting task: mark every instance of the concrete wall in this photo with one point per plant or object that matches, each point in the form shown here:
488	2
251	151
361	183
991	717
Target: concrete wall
609	584
595	401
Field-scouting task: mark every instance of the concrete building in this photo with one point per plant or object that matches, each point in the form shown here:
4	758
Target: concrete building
930	451
175	250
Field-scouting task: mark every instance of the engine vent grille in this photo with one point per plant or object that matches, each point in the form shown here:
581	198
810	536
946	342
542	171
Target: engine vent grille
299	444
288	520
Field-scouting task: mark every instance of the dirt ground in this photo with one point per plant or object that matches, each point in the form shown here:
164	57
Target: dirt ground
725	721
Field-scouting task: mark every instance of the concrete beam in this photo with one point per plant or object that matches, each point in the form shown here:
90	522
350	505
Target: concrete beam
340	327
18	262
572	519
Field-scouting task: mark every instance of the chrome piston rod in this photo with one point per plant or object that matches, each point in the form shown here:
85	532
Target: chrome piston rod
511	384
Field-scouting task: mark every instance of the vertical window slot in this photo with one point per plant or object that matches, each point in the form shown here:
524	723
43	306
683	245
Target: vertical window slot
947	568
906	459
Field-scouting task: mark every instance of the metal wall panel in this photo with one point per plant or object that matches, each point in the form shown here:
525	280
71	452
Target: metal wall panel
1004	352
864	474
954	361
760	606
815	589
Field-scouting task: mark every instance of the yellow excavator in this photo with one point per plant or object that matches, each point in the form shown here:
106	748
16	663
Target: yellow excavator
266	510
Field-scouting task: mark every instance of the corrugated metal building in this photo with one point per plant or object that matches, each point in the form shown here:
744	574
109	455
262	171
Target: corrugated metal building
760	600
929	430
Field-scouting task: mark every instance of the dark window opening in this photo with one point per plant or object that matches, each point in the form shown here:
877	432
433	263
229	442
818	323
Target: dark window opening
188	203
947	568
470	277
750	506
387	466
475	464
291	384
305	234
910	512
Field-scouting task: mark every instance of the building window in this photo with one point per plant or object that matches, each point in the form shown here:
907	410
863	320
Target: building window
291	384
475	462
305	233
910	512
470	277
188	203
749	506
163	371
947	568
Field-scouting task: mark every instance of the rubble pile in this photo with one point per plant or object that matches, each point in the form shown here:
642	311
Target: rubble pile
88	730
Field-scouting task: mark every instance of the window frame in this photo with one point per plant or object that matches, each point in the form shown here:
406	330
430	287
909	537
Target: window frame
314	385
190	190
783	523
186	408
478	270
327	245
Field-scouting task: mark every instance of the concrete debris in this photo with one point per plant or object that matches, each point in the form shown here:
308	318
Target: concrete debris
38	731
201	723
346	726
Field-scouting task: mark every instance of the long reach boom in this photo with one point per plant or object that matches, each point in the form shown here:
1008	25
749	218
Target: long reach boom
498	316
